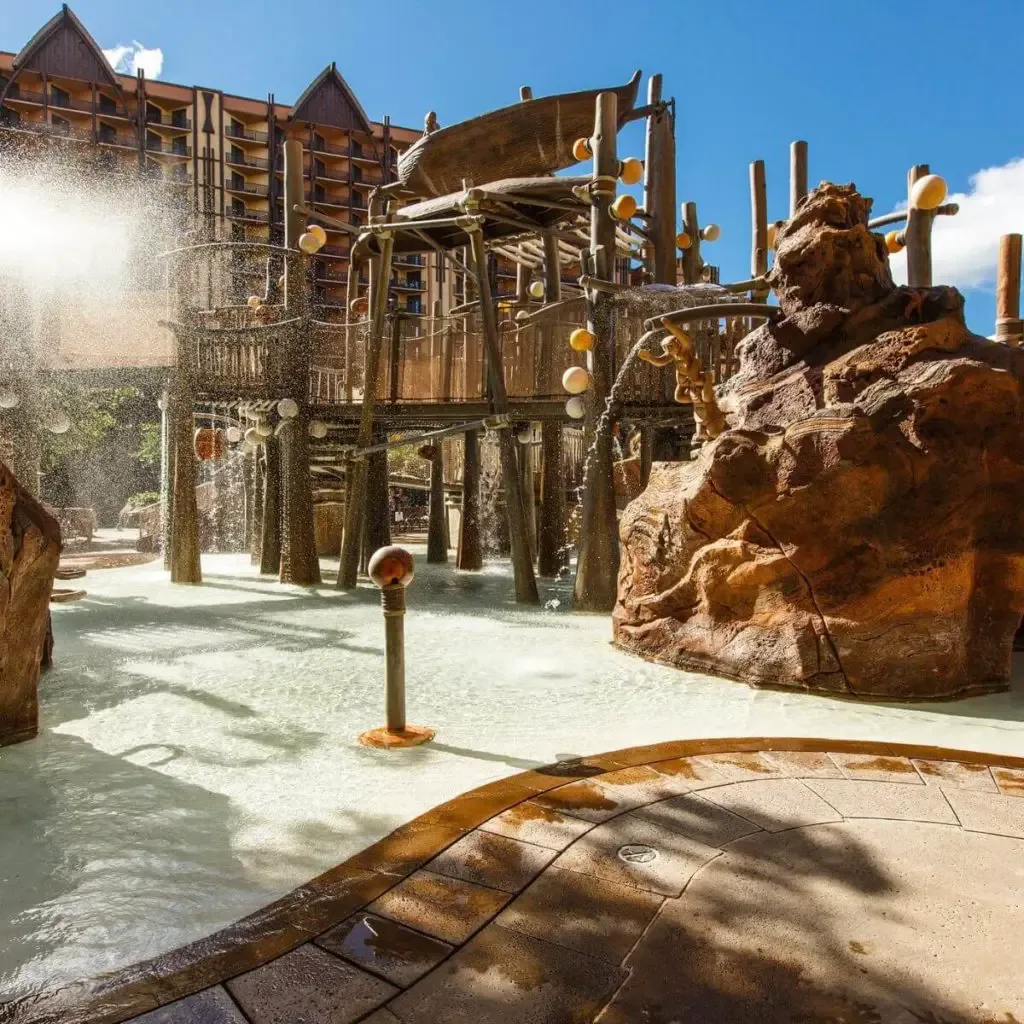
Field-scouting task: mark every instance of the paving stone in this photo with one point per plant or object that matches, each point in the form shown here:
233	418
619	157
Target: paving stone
598	800
397	953
531	822
988	812
740	766
676	858
876	768
860	799
381	1016
774	804
698	818
601	919
956	775
494	861
1009	780
310	985
799	764
212	1006
690	772
450	909
505	977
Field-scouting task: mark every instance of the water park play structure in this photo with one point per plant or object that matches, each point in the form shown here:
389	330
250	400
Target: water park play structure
808	516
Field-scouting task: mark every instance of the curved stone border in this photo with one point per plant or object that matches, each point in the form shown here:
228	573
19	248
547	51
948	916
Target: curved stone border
485	848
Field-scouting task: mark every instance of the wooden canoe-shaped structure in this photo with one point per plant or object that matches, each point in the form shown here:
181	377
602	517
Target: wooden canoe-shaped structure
532	138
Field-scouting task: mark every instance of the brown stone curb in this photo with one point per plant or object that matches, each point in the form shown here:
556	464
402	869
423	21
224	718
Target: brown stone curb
337	894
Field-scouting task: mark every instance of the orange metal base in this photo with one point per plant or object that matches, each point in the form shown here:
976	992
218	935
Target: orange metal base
386	739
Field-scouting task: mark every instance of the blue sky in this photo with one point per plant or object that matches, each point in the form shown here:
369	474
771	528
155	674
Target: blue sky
874	86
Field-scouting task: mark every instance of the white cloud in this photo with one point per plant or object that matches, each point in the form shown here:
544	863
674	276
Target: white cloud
965	247
136	57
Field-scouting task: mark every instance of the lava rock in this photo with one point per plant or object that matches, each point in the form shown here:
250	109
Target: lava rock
859	527
30	546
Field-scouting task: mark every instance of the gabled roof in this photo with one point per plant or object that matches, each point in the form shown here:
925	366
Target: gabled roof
63	46
328	99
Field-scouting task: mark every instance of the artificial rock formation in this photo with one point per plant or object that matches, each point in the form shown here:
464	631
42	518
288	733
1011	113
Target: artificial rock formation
29	552
858	528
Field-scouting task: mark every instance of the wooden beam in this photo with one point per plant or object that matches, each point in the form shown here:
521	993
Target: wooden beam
797	174
759	227
692	262
1009	328
660	188
469	556
380	275
522	561
918	235
598	563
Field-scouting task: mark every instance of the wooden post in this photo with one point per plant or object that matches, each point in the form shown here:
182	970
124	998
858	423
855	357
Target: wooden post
470	551
918	236
552	549
380	276
395	358
351	292
270	539
447	359
759	228
1009	327
376	532
797	174
660	187
166	474
437	541
646	457
299	561
256	508
522	562
598	564
692	262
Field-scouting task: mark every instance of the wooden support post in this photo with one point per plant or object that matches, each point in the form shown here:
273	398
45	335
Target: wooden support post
552	548
1009	328
660	187
797	174
447	359
598	564
759	228
395	358
470	551
693	264
351	291
524	457
522	562
646	455
166	474
299	561
437	537
918	236
270	539
256	507
377	522
380	276
185	567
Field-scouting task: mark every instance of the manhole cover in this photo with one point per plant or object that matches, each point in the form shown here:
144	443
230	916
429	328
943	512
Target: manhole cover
637	854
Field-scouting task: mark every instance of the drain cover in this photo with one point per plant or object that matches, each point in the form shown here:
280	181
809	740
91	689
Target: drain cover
637	854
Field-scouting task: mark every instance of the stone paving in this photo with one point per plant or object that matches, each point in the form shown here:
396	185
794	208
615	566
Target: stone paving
862	885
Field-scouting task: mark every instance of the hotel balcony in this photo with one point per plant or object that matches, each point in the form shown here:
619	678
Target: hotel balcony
172	148
246	134
408	286
169	121
409	260
249	190
242	160
256	216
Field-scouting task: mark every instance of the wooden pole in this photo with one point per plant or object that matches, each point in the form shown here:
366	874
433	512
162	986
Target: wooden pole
299	561
1009	327
598	564
470	552
256	508
918	236
759	228
376	531
166	474
522	562
395	359
270	539
660	187
552	549
692	262
437	543
380	276
797	174
646	457
351	292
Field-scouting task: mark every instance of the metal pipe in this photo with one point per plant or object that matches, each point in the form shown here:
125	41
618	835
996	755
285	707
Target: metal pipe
716	311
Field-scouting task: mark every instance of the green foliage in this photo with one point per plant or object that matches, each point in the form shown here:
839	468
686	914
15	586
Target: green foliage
142	499
111	451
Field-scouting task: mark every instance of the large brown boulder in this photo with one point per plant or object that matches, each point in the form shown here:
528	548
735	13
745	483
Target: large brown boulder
29	553
859	528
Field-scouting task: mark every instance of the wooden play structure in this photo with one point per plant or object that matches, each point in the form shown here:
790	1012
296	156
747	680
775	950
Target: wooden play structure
323	402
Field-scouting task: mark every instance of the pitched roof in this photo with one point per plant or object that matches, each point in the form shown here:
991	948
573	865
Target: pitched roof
63	46
329	99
